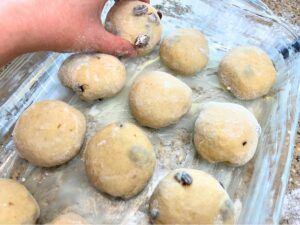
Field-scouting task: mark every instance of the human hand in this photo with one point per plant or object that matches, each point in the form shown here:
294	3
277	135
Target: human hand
75	26
56	25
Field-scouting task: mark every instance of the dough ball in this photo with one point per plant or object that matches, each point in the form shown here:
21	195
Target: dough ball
158	99
120	160
17	205
185	51
49	133
93	76
226	132
137	22
69	219
188	196
247	72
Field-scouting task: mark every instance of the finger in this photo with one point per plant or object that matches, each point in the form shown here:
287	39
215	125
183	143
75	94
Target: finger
108	43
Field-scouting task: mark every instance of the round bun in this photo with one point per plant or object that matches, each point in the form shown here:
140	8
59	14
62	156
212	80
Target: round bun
49	133
93	76
188	196
69	219
185	51
158	99
247	72
226	132
141	26
17	205
120	160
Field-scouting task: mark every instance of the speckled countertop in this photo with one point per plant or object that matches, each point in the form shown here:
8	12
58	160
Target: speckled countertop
290	10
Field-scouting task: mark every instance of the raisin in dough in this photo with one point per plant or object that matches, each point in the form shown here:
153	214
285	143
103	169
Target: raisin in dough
247	72
120	160
226	132
158	99
17	205
49	133
69	219
93	76
137	22
185	51
188	196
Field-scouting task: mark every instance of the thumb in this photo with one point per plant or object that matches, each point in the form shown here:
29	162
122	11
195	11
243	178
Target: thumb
108	43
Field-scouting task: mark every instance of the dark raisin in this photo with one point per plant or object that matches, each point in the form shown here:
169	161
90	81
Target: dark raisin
298	158
100	99
285	53
244	143
10	203
153	18
79	88
142	41
59	125
183	178
98	57
159	14
154	213
121	125
221	184
140	10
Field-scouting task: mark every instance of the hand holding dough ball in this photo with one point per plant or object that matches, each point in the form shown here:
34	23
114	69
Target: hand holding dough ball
226	132
49	133
137	22
69	219
93	76
185	51
17	205
158	99
247	72
120	160
188	196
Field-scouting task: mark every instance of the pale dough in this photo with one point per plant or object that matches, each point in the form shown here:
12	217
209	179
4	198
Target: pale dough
226	132
247	72
69	219
137	22
93	76
49	133
189	196
17	205
158	99
120	160
185	51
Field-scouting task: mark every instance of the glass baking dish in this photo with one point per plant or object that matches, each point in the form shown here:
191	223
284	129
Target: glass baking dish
257	188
